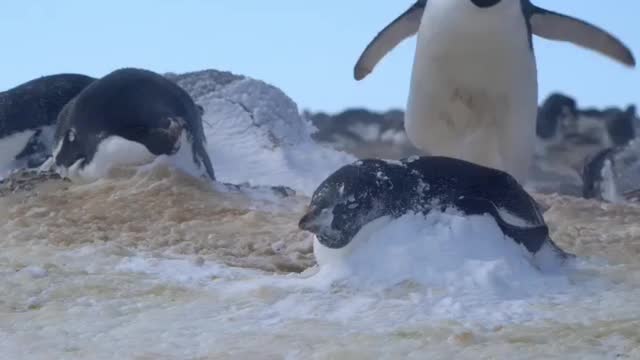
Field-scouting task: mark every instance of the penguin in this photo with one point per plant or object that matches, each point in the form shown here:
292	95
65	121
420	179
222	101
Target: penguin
473	91
554	114
366	190
129	117
611	174
599	176
621	125
28	114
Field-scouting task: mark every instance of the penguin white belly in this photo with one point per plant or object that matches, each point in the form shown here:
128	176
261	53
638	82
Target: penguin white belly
116	151
113	151
473	93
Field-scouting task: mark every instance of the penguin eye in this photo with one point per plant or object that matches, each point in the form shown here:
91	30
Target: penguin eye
71	135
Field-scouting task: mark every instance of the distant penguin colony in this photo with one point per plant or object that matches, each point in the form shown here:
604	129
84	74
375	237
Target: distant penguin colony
555	110
138	110
561	121
28	115
366	190
474	89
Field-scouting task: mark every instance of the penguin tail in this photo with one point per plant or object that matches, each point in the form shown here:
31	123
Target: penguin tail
532	237
201	157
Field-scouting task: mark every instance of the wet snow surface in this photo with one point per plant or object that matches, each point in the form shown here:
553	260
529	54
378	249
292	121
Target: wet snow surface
149	263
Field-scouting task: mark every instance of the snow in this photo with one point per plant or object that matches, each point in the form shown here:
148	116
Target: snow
10	147
447	250
113	151
421	286
444	275
411	285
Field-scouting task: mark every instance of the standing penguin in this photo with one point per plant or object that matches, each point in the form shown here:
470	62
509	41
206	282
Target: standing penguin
474	89
612	174
599	177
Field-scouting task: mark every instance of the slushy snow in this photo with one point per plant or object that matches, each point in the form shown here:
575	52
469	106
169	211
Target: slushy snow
406	283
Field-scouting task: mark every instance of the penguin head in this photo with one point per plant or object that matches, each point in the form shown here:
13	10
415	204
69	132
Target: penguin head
347	200
463	6
69	150
467	15
485	3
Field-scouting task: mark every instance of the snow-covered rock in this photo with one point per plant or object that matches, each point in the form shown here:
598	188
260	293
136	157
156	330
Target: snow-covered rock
255	133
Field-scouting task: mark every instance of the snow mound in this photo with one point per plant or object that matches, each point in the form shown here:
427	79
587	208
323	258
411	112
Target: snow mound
256	135
449	251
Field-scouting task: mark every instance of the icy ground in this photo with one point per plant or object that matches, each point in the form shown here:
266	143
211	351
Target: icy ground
151	263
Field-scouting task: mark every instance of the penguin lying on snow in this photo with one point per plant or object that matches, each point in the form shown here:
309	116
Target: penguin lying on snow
366	190
474	90
28	115
130	116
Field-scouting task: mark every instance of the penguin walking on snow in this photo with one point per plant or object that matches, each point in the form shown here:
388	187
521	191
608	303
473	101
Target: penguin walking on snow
474	90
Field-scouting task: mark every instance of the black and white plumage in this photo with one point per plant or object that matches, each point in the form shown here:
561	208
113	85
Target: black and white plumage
28	114
613	174
366	190
599	178
133	116
474	89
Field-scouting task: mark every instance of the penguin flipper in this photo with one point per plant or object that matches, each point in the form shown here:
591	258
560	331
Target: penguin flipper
554	26
401	28
531	237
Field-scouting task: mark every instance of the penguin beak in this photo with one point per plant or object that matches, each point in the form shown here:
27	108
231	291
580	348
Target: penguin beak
308	221
318	222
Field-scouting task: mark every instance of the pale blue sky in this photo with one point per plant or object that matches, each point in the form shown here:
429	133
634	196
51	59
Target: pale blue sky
307	48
